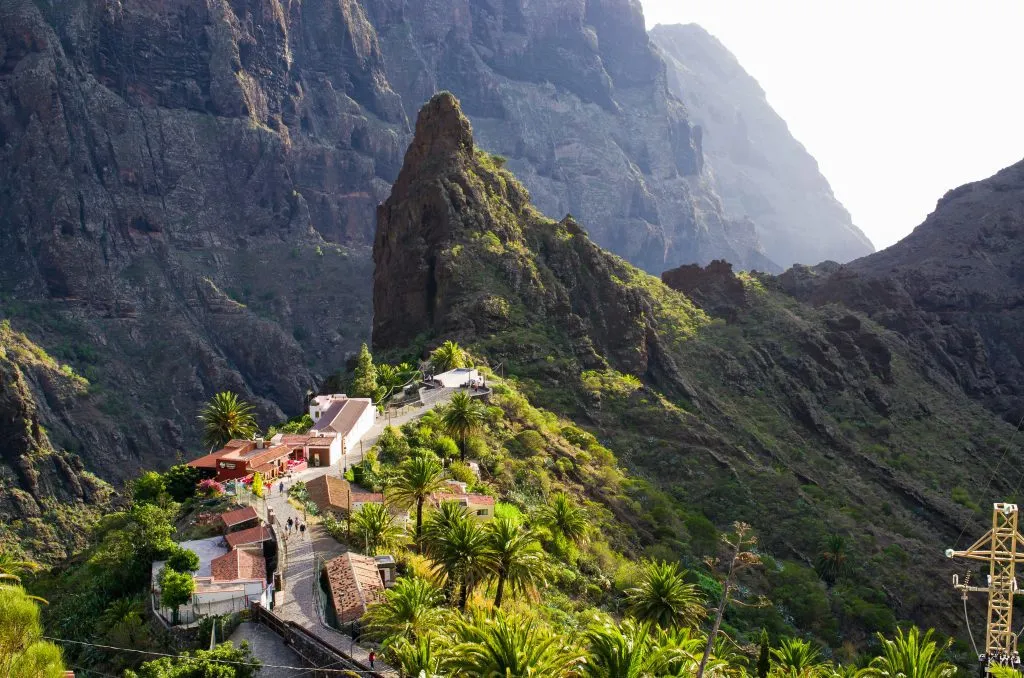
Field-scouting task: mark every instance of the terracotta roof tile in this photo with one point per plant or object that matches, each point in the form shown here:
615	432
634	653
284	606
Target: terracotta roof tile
238	516
355	583
254	535
239	564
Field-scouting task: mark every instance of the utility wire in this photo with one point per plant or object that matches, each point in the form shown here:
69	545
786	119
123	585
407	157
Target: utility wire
301	669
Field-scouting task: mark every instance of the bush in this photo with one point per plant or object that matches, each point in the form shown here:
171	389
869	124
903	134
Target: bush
210	488
183	560
445	447
461	472
392	446
181	481
149	487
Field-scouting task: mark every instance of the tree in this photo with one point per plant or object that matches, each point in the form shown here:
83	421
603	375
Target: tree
410	609
176	589
257	484
416	658
764	659
461	417
183	560
226	417
375	526
462	551
11	568
23	653
831	563
797	658
633	649
518	558
448	356
564	518
181	481
121	621
911	654
224	661
149	487
512	647
664	598
418	478
740	560
364	379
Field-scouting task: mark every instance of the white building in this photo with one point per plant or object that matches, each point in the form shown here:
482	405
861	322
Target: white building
458	378
339	422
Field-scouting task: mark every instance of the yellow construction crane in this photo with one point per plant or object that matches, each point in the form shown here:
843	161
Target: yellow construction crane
998	548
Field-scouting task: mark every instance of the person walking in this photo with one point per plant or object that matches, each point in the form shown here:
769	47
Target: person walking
302	529
290	522
373	656
282	487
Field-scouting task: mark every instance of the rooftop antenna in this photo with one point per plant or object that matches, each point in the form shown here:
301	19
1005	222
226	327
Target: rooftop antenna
998	548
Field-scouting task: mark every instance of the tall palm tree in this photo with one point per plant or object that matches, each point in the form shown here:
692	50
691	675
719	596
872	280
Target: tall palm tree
11	568
226	417
911	654
463	552
518	557
375	526
410	609
418	478
511	647
462	417
797	658
831	562
664	598
448	356
564	518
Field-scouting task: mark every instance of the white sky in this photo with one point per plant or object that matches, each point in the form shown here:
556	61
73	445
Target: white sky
898	100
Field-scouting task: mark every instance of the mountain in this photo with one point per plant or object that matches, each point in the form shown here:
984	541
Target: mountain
760	170
953	288
49	498
721	389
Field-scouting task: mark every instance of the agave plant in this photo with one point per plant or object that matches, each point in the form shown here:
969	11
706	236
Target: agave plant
797	659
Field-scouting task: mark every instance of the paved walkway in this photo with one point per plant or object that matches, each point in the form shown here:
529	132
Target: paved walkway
269	648
300	555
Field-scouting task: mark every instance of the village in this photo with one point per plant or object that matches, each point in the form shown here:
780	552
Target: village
288	545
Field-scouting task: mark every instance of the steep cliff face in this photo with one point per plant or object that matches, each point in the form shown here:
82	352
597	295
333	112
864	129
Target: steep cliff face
48	498
953	288
575	96
759	169
730	394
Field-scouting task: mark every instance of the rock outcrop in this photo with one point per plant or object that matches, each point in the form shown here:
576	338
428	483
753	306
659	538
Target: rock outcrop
758	168
954	288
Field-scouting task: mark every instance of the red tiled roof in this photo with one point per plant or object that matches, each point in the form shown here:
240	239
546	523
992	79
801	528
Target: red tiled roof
259	458
341	415
470	499
238	564
294	439
254	535
355	583
238	516
208	461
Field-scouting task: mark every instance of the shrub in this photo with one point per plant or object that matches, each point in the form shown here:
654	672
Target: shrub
183	560
210	488
181	481
445	447
149	487
461	472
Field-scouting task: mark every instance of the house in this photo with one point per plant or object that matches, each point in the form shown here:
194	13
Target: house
338	416
388	569
239	519
339	496
242	458
252	537
227	580
458	378
354	582
477	505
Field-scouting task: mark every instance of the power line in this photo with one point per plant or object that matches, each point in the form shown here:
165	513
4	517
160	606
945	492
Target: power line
301	669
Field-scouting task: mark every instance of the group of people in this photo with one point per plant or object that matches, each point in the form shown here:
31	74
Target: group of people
295	524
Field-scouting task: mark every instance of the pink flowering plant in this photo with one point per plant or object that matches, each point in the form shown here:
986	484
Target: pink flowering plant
210	488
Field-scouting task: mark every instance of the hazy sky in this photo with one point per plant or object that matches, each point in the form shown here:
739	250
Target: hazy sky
898	100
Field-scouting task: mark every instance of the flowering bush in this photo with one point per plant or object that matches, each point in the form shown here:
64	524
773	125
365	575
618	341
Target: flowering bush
210	488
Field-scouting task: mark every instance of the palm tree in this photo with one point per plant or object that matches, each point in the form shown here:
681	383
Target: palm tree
121	621
511	647
448	356
416	658
12	568
519	560
462	551
797	659
911	655
226	417
410	609
461	417
376	526
418	478
628	650
831	562
664	598
564	518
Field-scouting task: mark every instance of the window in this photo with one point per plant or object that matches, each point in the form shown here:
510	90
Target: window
481	512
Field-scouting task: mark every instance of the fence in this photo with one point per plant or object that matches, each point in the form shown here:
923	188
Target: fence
314	651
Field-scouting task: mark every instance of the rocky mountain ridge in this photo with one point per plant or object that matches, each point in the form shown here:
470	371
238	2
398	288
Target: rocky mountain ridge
722	389
759	169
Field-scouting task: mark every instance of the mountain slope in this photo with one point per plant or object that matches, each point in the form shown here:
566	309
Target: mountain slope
759	169
729	395
952	288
